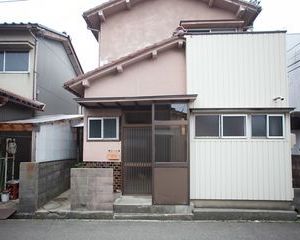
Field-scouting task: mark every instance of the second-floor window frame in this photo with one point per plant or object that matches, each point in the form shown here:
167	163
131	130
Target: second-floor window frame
3	67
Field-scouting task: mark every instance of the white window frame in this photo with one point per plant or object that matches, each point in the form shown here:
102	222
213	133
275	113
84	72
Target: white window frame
102	128
267	126
283	126
4	62
234	115
208	137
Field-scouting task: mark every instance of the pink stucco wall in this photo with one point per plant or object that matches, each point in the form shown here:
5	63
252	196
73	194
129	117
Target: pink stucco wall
150	22
165	75
95	151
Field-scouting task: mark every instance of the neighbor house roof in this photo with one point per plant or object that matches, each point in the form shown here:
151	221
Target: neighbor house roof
29	125
6	96
77	85
243	10
40	30
46	119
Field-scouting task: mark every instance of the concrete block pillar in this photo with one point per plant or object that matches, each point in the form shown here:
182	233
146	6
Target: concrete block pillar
92	189
28	187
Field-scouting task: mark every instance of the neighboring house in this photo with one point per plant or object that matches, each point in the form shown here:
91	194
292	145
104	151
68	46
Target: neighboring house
46	150
35	111
293	68
35	61
202	116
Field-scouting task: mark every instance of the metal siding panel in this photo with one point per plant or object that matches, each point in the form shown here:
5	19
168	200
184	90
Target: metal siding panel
240	169
55	142
237	70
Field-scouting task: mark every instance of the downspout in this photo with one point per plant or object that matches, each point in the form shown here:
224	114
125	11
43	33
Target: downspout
35	65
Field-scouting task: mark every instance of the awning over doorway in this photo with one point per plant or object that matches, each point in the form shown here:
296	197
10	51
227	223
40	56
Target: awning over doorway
116	102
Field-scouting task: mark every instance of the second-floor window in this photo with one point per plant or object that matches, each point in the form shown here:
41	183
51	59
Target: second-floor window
14	61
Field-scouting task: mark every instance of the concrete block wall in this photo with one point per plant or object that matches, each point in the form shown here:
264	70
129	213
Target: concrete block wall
117	171
92	189
41	182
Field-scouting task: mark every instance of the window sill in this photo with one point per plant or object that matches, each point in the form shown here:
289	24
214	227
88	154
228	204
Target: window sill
103	140
15	72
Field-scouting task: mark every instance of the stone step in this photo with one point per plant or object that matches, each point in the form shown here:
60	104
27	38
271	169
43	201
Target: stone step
153	209
244	214
153	216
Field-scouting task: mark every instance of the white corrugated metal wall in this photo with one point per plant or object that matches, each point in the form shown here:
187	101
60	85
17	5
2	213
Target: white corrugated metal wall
240	169
55	142
239	71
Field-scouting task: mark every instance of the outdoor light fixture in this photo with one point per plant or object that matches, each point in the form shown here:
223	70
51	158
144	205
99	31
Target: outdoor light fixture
278	98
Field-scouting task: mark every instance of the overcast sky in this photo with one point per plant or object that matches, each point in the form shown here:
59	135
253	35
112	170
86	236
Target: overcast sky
66	15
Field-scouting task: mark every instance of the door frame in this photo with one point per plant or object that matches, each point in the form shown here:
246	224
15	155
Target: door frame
153	163
123	162
171	164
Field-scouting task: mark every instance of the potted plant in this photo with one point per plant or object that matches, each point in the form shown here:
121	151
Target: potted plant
4	196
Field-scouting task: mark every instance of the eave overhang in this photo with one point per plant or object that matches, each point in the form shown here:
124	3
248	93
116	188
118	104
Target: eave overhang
243	10
6	96
121	102
42	31
78	84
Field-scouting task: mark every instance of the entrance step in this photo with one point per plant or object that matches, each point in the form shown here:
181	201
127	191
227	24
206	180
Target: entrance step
143	204
153	209
153	216
243	214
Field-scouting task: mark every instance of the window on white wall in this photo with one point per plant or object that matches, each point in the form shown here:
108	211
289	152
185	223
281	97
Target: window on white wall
233	126
275	126
103	128
14	61
268	126
208	126
259	125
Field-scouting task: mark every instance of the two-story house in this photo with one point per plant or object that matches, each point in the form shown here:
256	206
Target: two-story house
35	61
201	116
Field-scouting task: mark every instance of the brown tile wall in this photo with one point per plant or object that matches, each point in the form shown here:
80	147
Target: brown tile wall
117	171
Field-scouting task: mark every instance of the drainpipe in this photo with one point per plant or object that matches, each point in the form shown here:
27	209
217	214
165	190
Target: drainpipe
35	65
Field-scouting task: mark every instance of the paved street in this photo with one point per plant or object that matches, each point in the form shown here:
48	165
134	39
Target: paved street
86	230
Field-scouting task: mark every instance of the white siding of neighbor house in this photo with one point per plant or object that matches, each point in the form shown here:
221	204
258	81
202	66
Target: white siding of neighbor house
293	68
55	142
237	70
241	169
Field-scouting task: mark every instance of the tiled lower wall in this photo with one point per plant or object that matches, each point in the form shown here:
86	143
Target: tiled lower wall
117	171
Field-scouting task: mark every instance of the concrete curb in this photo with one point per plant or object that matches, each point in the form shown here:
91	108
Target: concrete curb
244	215
197	215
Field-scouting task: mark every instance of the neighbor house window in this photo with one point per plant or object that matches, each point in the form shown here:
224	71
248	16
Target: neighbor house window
14	61
234	126
106	128
1	61
270	126
208	126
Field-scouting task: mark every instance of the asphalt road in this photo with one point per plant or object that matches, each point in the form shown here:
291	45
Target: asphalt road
92	230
